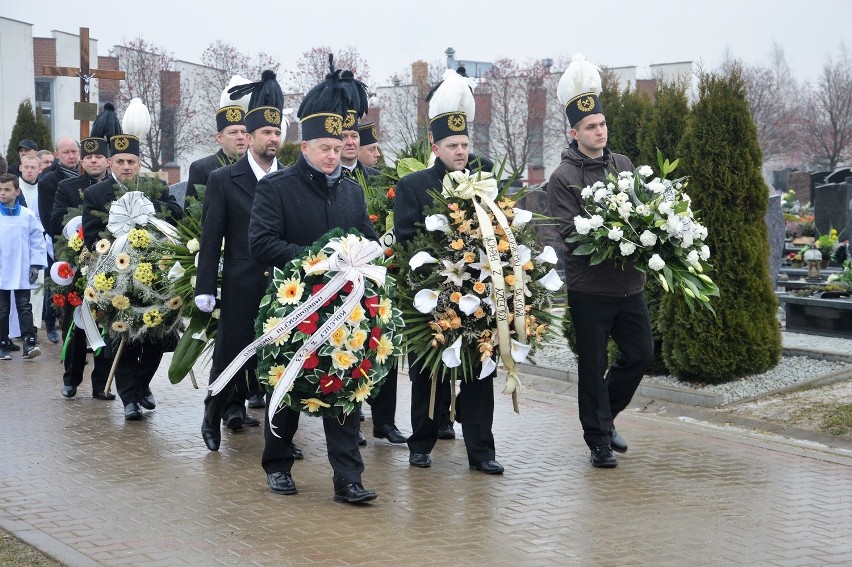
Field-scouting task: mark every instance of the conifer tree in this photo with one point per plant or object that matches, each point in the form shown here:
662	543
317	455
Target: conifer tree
28	127
720	154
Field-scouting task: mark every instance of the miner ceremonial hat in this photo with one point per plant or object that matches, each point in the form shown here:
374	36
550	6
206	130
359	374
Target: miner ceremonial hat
93	146
578	89
358	100
106	124
266	103
323	108
124	144
368	134
451	105
232	115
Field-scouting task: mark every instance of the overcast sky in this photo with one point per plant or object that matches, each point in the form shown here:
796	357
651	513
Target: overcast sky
390	34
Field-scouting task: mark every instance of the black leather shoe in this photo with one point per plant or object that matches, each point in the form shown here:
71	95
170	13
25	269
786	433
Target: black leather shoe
353	494
281	483
249	421
421	460
148	402
447	432
233	421
297	453
132	412
389	432
602	457
362	441
618	443
212	435
69	391
257	401
103	396
488	467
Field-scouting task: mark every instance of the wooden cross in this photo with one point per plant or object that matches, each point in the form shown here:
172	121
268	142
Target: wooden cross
84	111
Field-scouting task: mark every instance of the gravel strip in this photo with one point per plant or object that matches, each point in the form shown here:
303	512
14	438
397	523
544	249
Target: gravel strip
791	370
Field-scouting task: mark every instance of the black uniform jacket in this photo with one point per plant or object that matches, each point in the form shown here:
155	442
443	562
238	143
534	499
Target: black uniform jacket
69	195
226	214
200	169
366	170
412	195
100	195
295	207
48	182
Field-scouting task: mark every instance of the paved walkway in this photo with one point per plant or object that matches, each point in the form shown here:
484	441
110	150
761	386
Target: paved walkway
88	488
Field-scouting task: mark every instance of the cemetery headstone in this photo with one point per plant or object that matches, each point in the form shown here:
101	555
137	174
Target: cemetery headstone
831	202
775	227
817	178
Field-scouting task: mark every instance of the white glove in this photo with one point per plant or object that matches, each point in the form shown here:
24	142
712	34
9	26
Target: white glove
206	303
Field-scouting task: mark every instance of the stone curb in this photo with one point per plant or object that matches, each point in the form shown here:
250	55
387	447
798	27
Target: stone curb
691	397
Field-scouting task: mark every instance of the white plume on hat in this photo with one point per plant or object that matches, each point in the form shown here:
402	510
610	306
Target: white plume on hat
136	120
225	99
454	95
580	77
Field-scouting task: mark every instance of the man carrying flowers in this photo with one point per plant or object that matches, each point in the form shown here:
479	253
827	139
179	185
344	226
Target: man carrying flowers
607	299
450	109
140	359
292	209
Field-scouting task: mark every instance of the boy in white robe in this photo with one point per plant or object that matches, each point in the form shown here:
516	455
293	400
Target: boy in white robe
22	256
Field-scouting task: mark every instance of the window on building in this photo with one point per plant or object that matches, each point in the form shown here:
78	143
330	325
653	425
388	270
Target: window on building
44	102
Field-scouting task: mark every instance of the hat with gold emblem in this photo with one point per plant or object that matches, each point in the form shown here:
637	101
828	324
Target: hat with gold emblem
368	134
324	107
578	89
231	115
124	144
358	100
265	104
451	105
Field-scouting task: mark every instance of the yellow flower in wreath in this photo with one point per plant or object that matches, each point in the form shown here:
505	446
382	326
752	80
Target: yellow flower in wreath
313	259
102	246
152	318
356	340
342	359
385	309
75	243
384	349
275	374
270	324
313	404
139	238
120	302
104	282
119	326
356	316
174	303
90	294
144	273
362	391
122	262
338	337
290	291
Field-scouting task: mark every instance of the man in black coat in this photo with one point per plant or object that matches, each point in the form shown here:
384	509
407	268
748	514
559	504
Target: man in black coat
292	209
140	359
69	195
226	214
231	136
476	401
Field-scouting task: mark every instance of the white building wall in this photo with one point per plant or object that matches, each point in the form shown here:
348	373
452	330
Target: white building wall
16	73
193	89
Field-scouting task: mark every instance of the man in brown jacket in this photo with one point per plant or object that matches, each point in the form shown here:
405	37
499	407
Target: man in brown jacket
605	300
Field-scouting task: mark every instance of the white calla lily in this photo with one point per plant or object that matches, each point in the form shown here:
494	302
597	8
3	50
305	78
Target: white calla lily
175	271
524	254
421	258
426	300
520	351
451	356
522	217
469	303
437	222
488	366
551	281
548	255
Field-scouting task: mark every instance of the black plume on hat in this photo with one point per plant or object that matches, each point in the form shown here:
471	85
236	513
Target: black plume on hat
265	92
358	97
106	124
331	95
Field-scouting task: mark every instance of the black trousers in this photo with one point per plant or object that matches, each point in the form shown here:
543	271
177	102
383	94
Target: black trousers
383	405
603	390
25	312
475	405
136	368
232	398
341	440
75	361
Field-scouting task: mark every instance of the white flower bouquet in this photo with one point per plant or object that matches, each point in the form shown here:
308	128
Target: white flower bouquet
647	221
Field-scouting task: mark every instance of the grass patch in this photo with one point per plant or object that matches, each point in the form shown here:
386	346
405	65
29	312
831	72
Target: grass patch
15	552
835	419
